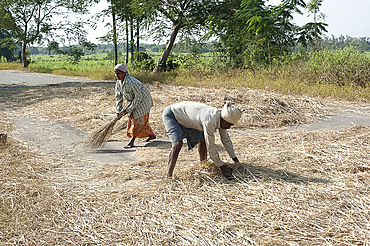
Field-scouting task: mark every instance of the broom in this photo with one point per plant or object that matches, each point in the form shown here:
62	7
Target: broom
97	138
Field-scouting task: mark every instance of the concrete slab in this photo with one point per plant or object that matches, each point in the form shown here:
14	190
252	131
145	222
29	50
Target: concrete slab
14	78
53	136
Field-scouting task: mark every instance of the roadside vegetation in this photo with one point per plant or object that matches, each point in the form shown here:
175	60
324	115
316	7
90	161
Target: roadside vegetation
338	74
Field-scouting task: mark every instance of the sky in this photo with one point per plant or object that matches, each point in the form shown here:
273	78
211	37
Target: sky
344	17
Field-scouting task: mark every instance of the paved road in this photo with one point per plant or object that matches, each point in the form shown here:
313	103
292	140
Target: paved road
14	78
52	136
350	116
49	136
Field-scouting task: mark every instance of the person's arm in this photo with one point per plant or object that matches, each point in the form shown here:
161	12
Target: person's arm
135	89
225	169
123	112
119	99
209	136
236	160
226	142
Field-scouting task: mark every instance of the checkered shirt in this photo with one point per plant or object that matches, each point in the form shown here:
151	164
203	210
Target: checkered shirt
137	95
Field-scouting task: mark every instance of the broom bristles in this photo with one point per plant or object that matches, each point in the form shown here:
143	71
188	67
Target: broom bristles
97	138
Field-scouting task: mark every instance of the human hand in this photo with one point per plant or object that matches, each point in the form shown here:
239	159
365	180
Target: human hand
122	113
236	160
227	172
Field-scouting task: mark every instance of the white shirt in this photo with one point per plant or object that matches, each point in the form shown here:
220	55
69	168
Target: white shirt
204	118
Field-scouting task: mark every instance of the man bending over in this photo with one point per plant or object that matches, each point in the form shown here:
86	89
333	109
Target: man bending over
198	122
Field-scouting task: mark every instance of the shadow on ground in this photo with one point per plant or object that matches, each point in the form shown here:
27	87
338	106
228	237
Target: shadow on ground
247	172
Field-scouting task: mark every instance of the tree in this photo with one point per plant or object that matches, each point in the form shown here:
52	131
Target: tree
272	25
75	54
260	21
312	31
121	13
7	45
253	33
32	19
133	24
114	24
53	46
229	31
186	15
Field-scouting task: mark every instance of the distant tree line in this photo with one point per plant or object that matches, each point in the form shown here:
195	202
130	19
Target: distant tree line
332	43
106	48
362	44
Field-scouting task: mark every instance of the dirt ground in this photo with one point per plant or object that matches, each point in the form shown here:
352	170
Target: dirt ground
303	177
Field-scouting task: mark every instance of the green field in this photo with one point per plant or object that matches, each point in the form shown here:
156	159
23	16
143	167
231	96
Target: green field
337	74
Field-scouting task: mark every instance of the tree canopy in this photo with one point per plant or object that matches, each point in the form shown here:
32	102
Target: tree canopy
249	32
30	21
186	16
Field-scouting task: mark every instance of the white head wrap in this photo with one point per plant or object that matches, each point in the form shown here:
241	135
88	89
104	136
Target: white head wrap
121	67
231	113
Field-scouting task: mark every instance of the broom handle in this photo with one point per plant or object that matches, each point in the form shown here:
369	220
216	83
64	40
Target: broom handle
120	114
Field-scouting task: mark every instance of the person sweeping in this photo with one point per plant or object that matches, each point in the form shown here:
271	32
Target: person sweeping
139	103
198	122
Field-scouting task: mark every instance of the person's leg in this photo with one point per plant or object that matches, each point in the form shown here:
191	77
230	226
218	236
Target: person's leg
131	143
176	135
148	130
202	149
174	154
130	132
137	128
151	137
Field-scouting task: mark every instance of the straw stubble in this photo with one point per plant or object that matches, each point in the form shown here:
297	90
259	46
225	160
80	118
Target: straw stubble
292	187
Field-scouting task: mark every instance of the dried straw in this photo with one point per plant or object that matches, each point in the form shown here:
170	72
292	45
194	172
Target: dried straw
292	187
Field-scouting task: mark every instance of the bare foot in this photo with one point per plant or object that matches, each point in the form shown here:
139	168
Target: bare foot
131	143
150	138
129	146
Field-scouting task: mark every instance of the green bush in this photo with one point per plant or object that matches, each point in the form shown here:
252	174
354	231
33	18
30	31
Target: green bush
143	61
340	67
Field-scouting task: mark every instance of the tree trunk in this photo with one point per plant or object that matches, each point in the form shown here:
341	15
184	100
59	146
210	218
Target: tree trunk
127	42
24	54
114	36
132	39
269	51
137	35
162	60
